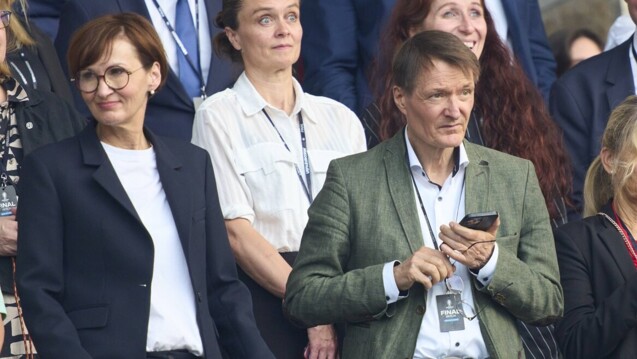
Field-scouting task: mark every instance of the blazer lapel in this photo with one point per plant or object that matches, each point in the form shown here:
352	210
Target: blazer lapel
94	155
476	181
401	190
620	84
613	241
175	183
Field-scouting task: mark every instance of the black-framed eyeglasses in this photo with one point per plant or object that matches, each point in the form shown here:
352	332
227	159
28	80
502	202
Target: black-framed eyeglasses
115	77
5	18
455	284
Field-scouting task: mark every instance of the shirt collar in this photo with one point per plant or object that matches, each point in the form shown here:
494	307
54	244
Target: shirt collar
460	157
252	102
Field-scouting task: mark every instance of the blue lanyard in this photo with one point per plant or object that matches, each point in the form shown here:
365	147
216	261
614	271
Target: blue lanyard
181	46
307	184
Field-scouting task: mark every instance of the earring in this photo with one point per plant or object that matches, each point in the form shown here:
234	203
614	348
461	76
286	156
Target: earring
151	93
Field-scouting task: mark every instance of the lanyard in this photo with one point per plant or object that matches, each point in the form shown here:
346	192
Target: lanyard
180	44
422	205
4	176
307	184
629	239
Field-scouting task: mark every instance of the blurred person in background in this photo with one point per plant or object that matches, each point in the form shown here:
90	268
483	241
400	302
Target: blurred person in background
571	47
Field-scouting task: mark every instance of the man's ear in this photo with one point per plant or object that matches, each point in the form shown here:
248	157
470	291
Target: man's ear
399	99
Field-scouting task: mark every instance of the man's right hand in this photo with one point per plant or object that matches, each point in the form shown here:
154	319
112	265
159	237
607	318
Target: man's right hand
8	236
426	266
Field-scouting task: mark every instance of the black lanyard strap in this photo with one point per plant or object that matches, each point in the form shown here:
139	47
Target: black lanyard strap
181	46
307	184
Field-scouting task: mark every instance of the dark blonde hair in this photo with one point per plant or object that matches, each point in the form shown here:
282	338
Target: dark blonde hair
620	139
17	35
94	40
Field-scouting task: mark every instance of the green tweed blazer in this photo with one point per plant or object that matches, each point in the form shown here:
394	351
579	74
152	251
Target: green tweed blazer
366	216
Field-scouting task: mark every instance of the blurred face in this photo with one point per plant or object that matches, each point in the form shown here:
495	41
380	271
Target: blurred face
632	9
463	18
583	48
126	106
269	34
438	109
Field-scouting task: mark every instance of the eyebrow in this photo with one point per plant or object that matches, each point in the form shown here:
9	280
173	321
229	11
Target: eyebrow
271	8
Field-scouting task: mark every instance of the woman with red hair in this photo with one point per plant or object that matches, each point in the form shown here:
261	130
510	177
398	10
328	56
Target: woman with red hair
509	113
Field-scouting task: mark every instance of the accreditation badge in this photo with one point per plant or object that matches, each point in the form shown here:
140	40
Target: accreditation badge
450	312
8	200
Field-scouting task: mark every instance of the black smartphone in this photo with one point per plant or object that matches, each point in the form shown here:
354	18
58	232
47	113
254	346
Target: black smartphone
480	221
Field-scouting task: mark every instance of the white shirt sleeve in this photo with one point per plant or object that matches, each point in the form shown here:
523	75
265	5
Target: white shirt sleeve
213	134
392	293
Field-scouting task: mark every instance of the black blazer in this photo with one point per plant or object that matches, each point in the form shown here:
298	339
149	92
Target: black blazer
85	259
171	111
600	291
580	103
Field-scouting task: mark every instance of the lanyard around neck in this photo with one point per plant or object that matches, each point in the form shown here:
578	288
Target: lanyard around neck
181	46
422	205
307	184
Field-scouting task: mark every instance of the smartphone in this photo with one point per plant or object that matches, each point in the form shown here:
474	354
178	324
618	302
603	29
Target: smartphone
480	221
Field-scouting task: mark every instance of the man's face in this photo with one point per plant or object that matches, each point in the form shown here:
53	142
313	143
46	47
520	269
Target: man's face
438	109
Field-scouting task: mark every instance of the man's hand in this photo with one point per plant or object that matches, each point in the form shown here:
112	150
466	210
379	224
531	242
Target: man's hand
426	266
470	247
8	236
323	343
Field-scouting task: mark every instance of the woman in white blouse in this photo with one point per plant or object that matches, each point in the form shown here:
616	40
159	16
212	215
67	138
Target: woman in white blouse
270	145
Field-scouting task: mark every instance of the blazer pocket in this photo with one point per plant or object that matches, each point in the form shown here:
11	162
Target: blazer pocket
511	243
86	318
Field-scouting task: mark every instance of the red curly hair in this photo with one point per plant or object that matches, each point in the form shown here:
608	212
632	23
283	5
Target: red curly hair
514	116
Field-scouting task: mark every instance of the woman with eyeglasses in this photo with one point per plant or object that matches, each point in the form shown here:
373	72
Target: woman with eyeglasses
597	255
29	119
271	144
123	250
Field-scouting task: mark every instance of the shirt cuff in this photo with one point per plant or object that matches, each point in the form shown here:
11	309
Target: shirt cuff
485	274
392	293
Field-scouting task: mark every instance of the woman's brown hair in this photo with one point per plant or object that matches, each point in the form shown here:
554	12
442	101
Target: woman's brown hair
94	41
514	116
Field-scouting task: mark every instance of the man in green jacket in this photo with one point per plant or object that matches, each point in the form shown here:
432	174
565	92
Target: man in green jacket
383	251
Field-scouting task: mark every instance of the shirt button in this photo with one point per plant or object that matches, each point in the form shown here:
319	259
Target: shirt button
420	310
439	199
387	298
457	344
29	125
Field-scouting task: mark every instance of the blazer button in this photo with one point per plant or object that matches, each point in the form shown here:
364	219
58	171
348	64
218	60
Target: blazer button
420	310
499	298
29	125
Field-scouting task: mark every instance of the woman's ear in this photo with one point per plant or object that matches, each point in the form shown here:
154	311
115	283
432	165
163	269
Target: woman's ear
154	76
607	160
233	37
